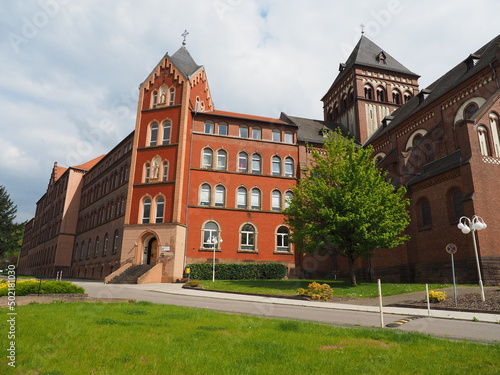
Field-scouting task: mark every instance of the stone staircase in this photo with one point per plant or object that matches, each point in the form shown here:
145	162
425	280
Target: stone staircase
131	275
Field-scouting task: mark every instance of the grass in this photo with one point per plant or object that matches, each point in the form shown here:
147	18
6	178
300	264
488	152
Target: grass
340	288
145	338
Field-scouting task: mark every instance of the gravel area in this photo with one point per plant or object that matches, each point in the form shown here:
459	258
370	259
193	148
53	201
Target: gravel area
469	301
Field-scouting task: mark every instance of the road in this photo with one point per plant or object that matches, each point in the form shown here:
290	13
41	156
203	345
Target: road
328	313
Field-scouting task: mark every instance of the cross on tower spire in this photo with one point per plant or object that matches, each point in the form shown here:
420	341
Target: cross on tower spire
184	34
362	28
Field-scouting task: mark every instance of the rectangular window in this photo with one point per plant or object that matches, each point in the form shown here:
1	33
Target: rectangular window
242	198
276	136
288	137
256	133
209	128
243	131
222	129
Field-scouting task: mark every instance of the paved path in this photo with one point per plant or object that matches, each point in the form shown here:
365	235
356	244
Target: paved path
481	327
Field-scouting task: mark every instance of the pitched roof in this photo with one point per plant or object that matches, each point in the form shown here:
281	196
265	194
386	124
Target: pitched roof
311	130
245	116
182	60
367	53
453	78
90	164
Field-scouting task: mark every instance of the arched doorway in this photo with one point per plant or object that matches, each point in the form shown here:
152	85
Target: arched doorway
150	250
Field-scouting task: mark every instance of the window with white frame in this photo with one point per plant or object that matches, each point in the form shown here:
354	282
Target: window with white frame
282	243
241	200
154	100
276	201
276	161
172	96
256	133
207	158
276	135
147	172
242	162
221	160
153	134
483	140
205	193
210	235
167	126
222	129
209	127
495	132
289	167
256	205
288	198
160	207
220	196
243	131
165	171
247	238
256	164
146	210
288	137
96	249
105	245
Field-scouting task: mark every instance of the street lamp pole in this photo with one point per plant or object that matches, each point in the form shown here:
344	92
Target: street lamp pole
214	241
467	225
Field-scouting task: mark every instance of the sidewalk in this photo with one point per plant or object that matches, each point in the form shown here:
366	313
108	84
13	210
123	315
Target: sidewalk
368	305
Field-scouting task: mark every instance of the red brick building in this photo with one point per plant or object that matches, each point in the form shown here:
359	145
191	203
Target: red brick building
191	182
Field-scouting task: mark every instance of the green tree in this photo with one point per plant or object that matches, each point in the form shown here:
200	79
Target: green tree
345	203
11	234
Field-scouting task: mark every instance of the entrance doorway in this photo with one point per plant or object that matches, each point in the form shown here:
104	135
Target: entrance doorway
150	251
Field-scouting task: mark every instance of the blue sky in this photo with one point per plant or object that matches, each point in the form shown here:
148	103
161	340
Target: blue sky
71	69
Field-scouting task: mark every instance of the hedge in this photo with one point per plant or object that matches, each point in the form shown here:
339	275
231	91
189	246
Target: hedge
237	271
26	287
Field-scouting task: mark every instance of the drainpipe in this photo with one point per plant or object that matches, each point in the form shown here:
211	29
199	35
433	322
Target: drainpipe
188	188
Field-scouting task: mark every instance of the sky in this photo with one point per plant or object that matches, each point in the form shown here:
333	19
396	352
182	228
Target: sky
70	70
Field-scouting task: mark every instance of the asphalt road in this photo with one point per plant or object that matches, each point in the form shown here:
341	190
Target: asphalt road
438	327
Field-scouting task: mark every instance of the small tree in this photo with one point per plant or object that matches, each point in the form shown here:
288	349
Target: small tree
345	202
11	234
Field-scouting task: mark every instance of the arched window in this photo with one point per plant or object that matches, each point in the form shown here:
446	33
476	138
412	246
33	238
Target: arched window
220	196
247	237
470	110
276	165
115	242
209	127
425	214
368	92
147	172
166	133
243	131
89	249
221	160
153	134
256	205
289	167
495	132
483	140
288	198
242	162
146	210
105	245
222	129
276	135
256	133
288	137
165	171
211	235
82	250
172	96
381	97
207	158
205	193
407	96
276	201
241	200
160	207
455	205
154	101
396	97
96	249
282	243
256	164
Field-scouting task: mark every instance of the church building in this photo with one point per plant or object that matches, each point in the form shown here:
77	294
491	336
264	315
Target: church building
194	184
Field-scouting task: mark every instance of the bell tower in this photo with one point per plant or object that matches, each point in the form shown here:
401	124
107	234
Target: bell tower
370	85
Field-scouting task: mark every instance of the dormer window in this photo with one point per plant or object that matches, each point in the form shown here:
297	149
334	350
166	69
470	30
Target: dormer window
342	67
381	58
471	61
422	95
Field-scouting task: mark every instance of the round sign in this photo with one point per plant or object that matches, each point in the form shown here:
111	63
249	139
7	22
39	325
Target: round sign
451	248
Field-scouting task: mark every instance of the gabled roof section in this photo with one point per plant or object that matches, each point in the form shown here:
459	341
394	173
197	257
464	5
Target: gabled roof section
89	165
245	117
312	131
367	53
450	80
184	62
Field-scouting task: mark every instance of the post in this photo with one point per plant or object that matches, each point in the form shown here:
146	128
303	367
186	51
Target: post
454	282
427	299
478	267
213	267
380	303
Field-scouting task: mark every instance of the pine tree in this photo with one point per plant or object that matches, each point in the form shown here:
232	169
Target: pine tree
9	231
344	203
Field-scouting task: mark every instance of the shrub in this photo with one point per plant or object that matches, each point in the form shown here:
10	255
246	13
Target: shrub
25	287
321	292
436	296
192	283
237	271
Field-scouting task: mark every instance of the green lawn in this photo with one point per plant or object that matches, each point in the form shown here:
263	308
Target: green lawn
340	288
145	338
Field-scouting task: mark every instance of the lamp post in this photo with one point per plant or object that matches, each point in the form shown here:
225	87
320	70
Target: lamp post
214	241
467	225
